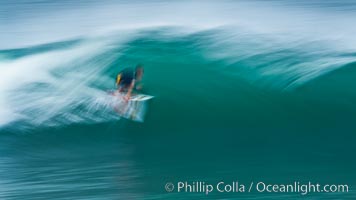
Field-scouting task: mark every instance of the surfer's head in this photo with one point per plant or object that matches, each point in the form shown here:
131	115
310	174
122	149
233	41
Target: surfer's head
139	72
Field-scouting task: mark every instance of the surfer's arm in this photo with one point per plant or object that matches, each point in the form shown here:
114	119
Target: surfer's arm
128	95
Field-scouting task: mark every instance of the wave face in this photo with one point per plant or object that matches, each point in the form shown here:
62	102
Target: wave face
247	88
65	82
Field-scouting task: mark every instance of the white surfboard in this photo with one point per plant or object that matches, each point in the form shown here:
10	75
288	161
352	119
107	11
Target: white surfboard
140	97
134	109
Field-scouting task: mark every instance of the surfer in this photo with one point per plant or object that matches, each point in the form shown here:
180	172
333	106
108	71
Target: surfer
129	79
125	103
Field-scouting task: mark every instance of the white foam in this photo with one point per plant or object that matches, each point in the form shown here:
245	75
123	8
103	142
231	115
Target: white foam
18	100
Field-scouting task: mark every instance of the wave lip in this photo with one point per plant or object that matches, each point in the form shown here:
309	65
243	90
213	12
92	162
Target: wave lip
45	22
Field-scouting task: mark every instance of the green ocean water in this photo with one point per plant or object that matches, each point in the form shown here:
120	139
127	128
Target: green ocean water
212	120
232	104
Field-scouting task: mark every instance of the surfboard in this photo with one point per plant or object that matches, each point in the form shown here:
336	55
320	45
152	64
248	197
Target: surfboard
140	97
133	109
134	97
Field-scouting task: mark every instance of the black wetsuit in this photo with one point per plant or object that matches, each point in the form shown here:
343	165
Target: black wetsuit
125	78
